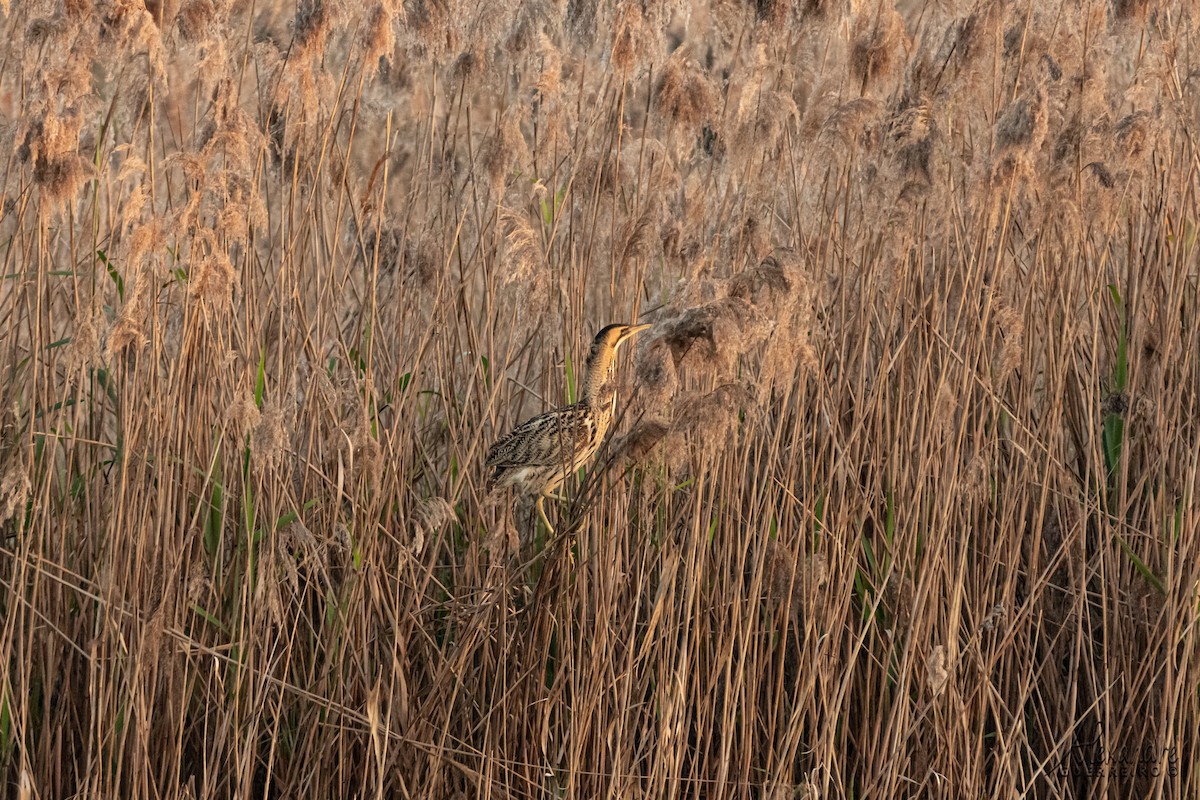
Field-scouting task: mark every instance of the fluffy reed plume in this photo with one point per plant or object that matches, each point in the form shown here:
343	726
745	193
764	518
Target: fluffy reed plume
790	578
977	480
1010	325
49	144
84	350
771	303
1134	135
212	276
702	425
269	440
503	537
780	286
636	41
851	122
402	262
1020	132
685	93
197	20
365	454
243	415
765	108
945	407
709	338
310	29
379	36
657	380
268	595
880	44
709	420
994	619
525	270
429	518
762	132
128	332
641	442
504	152
639	236
15	487
526	258
1131	11
937	670
915	131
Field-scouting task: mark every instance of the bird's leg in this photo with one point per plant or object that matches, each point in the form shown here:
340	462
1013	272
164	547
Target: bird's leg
541	509
553	533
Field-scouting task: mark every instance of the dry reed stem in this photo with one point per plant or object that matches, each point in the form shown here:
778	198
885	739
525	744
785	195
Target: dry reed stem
901	499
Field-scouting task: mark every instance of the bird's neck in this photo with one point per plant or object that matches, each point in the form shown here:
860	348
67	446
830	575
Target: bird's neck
596	375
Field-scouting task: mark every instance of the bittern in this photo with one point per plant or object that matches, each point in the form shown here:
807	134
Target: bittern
541	452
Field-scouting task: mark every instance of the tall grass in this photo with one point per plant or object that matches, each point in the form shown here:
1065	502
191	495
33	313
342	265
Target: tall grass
903	500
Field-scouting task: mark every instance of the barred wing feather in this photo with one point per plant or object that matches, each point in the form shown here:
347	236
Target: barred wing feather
553	441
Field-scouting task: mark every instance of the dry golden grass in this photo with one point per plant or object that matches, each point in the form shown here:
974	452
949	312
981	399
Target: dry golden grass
904	500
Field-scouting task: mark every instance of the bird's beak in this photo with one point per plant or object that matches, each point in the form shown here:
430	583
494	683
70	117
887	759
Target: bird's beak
631	330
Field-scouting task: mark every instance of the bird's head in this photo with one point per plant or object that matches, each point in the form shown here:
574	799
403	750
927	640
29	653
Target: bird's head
602	357
611	337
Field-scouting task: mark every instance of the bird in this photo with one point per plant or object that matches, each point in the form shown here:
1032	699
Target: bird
541	452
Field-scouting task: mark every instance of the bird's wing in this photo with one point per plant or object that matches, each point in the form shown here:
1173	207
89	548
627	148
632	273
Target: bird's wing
547	440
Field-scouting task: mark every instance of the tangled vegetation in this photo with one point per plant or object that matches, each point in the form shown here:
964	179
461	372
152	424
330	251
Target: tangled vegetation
902	500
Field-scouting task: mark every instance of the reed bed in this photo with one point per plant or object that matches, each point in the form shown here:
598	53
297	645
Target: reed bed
903	496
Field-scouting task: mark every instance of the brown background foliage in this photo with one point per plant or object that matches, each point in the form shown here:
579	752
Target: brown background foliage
903	502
